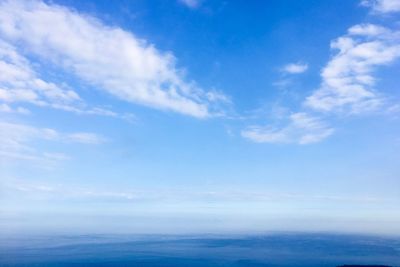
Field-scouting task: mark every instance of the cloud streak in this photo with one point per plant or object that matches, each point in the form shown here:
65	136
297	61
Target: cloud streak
295	68
192	4
16	142
301	129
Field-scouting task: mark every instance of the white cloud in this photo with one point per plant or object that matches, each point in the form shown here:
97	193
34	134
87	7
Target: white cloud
216	96
368	29
347	83
16	141
190	3
302	129
105	57
8	109
19	82
295	68
347	78
86	138
382	6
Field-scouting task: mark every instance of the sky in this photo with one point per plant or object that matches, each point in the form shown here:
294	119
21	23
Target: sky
199	116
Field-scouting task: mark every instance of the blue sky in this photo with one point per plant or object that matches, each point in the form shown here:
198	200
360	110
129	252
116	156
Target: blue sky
200	116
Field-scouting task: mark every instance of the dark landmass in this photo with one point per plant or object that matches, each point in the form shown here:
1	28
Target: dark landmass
272	250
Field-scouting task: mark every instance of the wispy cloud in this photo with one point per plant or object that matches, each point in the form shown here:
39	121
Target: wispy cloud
16	142
85	138
193	4
369	30
347	84
20	83
301	129
382	6
295	68
105	57
347	79
8	109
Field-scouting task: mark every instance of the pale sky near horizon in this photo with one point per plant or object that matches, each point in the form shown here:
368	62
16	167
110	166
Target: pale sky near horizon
199	116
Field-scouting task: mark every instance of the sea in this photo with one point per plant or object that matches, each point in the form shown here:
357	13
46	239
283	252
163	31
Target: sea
262	250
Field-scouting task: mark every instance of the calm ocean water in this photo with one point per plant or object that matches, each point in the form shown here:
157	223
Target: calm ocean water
305	250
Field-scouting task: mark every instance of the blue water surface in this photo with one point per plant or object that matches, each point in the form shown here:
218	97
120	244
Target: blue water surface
272	250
